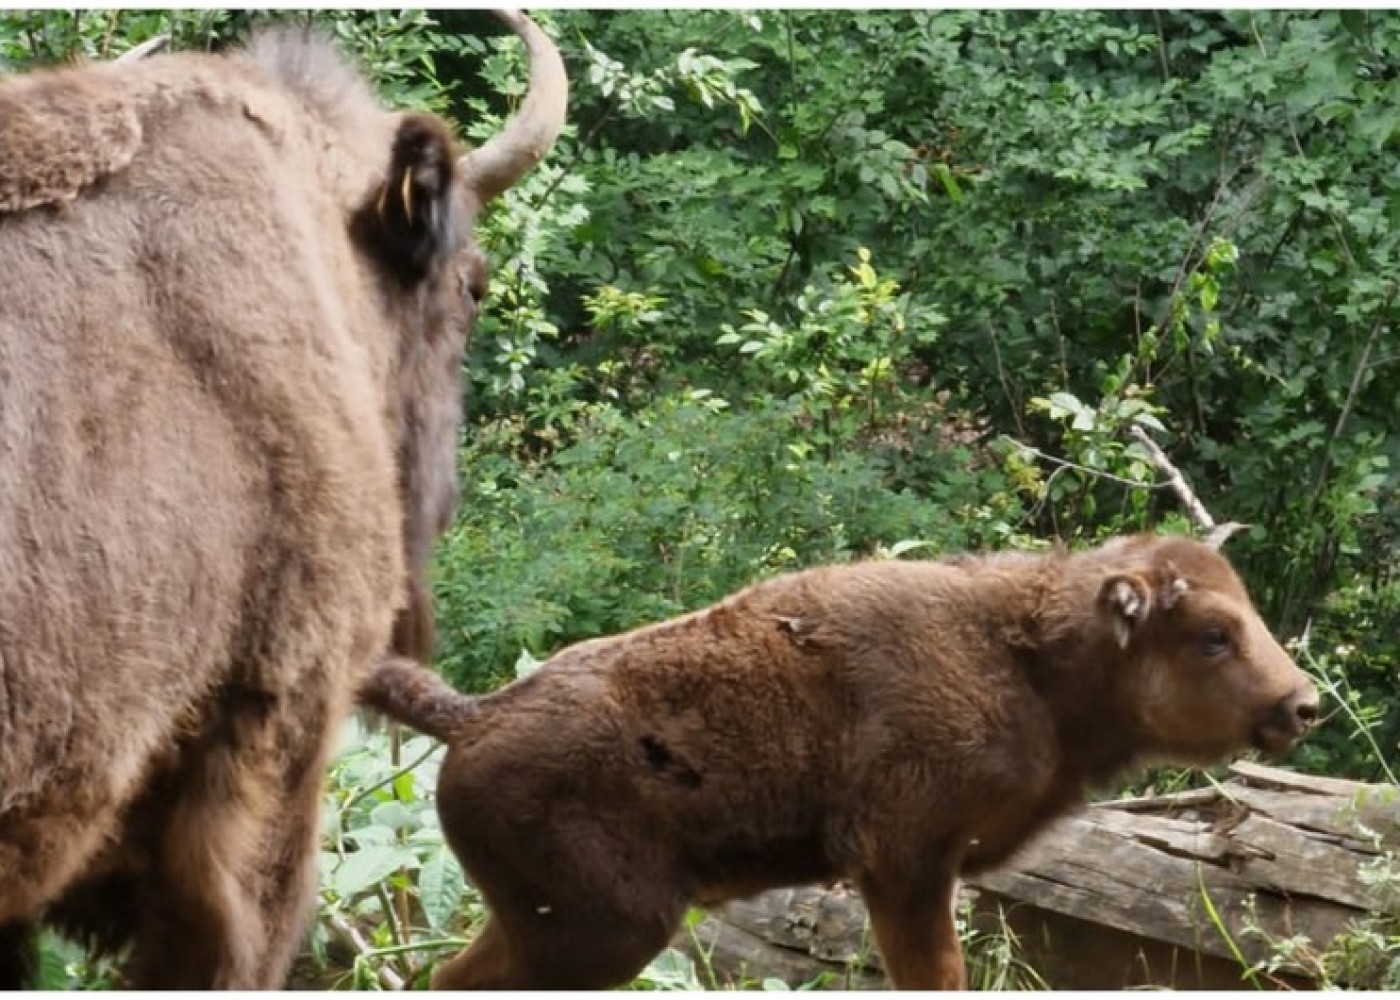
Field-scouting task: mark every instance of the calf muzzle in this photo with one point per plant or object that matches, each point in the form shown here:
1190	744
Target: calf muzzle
1287	722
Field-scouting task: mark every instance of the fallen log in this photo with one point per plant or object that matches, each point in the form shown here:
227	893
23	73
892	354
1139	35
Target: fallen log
1186	890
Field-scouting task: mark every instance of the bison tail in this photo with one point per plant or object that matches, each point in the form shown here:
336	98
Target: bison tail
408	692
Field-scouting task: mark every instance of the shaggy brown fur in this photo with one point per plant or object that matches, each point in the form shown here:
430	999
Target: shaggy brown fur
234	301
899	723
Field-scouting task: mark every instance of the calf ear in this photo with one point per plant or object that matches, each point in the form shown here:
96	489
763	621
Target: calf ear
408	222
1127	600
1173	589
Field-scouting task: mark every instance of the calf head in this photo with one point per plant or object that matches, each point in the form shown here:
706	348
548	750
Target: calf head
1199	672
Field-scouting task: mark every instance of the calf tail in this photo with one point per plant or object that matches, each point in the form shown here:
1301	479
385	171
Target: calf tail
408	692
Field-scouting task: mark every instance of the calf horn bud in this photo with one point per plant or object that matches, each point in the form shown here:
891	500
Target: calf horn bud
1216	534
147	48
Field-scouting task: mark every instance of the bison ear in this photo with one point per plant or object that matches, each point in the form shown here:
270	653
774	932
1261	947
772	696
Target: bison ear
1127	599
408	222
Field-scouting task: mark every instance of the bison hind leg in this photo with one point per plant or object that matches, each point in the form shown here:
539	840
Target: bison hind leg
236	855
18	956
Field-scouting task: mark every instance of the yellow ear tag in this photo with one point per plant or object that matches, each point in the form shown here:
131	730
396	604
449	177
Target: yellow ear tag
407	190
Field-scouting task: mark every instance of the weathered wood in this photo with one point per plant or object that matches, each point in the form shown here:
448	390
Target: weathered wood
1344	818
1291	781
796	935
1171	890
1288	860
1175	836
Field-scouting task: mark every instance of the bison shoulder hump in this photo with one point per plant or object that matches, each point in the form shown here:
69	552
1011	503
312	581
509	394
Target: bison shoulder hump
307	66
62	131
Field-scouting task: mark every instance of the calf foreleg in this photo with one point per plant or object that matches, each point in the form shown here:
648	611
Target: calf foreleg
913	923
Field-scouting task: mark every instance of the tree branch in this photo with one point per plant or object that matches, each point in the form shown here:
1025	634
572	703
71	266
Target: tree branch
351	937
1064	463
1215	533
1358	375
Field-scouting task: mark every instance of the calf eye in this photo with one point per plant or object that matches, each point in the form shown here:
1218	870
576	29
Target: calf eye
1215	642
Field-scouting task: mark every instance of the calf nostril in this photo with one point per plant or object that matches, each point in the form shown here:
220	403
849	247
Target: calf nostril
1306	712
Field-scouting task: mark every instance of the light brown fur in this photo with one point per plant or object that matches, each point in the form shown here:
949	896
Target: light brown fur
229	405
898	723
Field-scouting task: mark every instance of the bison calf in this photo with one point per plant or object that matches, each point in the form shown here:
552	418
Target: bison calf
900	723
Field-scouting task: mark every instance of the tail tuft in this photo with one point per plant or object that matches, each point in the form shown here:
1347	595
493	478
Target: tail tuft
408	692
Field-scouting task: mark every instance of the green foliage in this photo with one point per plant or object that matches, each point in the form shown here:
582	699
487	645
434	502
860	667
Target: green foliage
43	37
399	49
992	952
1061	185
650	514
1361	738
63	965
803	286
385	868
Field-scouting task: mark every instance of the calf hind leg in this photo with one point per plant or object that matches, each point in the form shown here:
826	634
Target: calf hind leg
592	952
482	965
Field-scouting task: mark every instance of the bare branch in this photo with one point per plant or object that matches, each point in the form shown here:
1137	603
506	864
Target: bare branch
1005	385
1216	534
1364	366
350	936
1064	463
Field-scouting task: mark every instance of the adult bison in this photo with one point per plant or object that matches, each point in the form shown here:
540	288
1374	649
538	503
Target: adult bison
234	294
898	723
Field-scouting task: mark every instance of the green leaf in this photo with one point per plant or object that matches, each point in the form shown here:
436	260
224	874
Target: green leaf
441	886
369	866
950	183
672	969
52	972
1210	295
908	545
393	816
526	664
